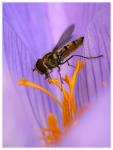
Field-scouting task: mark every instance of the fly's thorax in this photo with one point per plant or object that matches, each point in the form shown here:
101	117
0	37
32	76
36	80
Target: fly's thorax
51	60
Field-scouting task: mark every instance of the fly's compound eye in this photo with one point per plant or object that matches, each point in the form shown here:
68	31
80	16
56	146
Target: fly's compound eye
40	67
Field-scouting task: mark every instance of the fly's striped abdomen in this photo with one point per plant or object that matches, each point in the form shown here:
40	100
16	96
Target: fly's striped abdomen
70	48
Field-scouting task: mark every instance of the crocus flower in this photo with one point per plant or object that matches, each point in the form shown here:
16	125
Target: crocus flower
67	105
30	30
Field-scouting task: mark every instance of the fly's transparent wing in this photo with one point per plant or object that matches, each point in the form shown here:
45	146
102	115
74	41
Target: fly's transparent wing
66	36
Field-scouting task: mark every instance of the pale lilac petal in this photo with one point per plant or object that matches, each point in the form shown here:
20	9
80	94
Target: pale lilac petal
30	30
93	129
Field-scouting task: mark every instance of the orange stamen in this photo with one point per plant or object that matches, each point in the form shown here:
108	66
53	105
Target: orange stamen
25	82
53	127
55	82
67	80
79	66
68	105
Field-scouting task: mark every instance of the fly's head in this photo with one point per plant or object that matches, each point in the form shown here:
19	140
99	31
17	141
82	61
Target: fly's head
41	68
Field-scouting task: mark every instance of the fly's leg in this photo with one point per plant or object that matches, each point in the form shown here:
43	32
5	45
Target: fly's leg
87	57
67	61
47	76
70	64
60	76
51	71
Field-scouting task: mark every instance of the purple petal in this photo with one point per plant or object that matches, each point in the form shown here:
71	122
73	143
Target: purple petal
30	30
93	128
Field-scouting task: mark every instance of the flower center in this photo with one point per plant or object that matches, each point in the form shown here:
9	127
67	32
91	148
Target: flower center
67	105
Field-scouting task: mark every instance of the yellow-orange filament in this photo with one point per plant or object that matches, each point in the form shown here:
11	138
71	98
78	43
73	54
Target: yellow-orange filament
67	105
25	82
55	82
53	129
67	80
79	66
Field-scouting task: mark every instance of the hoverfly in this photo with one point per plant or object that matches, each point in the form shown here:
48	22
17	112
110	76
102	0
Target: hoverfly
59	53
